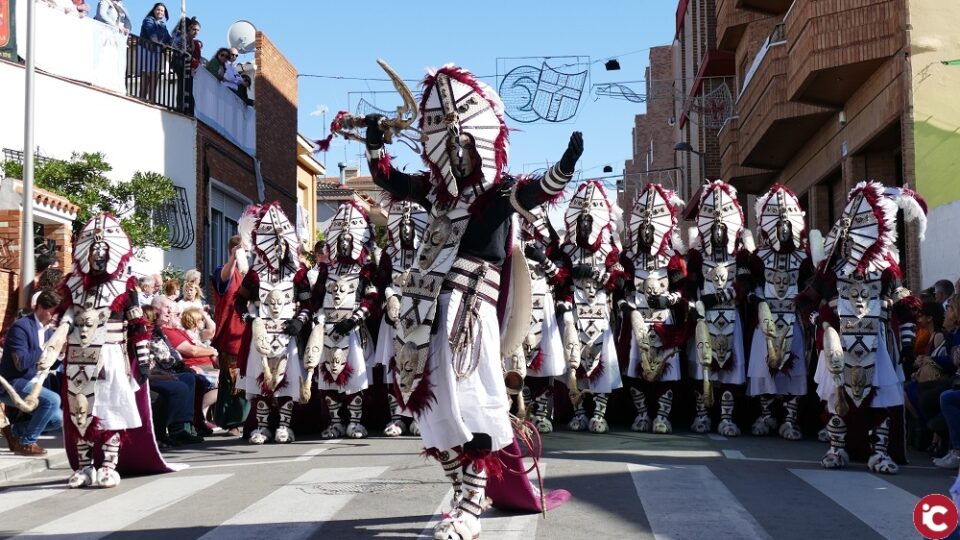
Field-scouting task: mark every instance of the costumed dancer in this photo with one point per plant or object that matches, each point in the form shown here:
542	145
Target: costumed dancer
867	319
274	299
107	396
346	296
405	224
778	270
448	363
541	354
716	354
654	308
593	269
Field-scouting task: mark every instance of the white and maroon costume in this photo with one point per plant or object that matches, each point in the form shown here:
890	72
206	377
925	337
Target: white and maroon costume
542	347
274	298
779	268
103	326
448	361
653	305
346	296
712	270
591	261
868	323
405	224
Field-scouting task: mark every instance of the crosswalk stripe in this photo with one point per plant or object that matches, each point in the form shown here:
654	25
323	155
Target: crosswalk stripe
444	506
313	452
882	506
17	497
664	490
125	508
296	510
515	526
684	454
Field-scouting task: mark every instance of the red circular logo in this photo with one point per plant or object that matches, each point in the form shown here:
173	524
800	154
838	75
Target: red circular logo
935	516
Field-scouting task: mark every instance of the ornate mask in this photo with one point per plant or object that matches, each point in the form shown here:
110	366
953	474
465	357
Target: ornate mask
719	218
780	219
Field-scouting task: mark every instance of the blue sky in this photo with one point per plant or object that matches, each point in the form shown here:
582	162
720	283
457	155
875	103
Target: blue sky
345	39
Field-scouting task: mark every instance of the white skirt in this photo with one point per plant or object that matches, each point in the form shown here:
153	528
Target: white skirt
385	350
477	403
671	372
735	374
792	382
115	400
357	360
552	362
609	380
888	385
290	388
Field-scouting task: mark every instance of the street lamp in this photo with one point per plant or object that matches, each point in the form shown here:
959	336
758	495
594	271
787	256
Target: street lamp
686	147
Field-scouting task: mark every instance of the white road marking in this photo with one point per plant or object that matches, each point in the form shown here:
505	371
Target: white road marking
124	509
686	454
20	496
305	457
882	506
296	510
513	526
719	515
716	437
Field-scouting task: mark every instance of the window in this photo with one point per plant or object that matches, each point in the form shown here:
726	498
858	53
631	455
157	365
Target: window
225	211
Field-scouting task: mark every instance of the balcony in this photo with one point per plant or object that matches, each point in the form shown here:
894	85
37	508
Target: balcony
772	128
745	179
770	7
836	48
732	22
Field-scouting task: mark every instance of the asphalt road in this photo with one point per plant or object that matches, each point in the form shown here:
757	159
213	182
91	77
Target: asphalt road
624	485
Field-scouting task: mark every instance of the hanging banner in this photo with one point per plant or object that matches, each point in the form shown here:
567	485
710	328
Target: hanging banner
8	30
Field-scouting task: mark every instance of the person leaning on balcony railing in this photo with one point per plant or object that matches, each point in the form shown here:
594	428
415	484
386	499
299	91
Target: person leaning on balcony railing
216	65
114	13
185	39
153	34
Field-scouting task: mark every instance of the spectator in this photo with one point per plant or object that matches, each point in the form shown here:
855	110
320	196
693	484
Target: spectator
185	39
19	364
191	320
157	283
114	13
199	359
153	35
146	285
50	279
171	289
170	379
192	276
232	405
932	373
942	291
70	7
231	79
216	65
243	90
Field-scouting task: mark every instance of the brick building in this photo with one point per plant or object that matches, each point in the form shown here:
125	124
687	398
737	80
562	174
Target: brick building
653	132
830	92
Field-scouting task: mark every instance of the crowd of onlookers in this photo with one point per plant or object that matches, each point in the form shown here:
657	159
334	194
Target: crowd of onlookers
154	35
933	393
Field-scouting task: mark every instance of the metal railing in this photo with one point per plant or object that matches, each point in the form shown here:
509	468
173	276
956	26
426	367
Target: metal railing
175	214
159	74
779	34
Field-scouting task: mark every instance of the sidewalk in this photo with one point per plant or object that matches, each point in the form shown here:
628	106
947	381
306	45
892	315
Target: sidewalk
13	466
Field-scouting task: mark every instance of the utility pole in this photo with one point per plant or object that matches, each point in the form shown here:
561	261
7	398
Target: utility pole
26	232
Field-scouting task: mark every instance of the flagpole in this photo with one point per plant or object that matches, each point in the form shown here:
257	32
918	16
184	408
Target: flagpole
26	232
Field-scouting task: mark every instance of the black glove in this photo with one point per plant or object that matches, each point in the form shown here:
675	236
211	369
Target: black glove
720	297
345	326
625	308
657	301
582	271
143	372
562	308
907	355
292	327
374	133
534	253
568	163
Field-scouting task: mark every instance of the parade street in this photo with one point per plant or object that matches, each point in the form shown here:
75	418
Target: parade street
624	485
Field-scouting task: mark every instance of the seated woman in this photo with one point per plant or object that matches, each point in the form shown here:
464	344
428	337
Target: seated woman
175	387
199	359
931	374
205	328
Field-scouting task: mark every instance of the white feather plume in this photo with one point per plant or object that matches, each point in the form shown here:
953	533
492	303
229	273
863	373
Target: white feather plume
693	238
817	251
747	241
912	211
246	224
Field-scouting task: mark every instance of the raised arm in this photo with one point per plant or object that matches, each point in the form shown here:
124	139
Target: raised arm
533	194
403	186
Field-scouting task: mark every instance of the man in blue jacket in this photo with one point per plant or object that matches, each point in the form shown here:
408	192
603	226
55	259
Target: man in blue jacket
19	364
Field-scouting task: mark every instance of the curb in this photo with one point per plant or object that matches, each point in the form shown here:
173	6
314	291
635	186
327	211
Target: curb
55	459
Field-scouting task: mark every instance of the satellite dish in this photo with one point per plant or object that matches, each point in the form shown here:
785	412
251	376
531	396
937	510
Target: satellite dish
242	36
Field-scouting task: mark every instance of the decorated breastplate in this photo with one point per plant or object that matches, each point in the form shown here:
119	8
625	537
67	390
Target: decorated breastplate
590	307
781	273
721	318
340	302
859	311
650	279
92	329
401	261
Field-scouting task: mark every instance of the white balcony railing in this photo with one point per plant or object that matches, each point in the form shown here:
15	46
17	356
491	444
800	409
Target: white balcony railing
220	108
